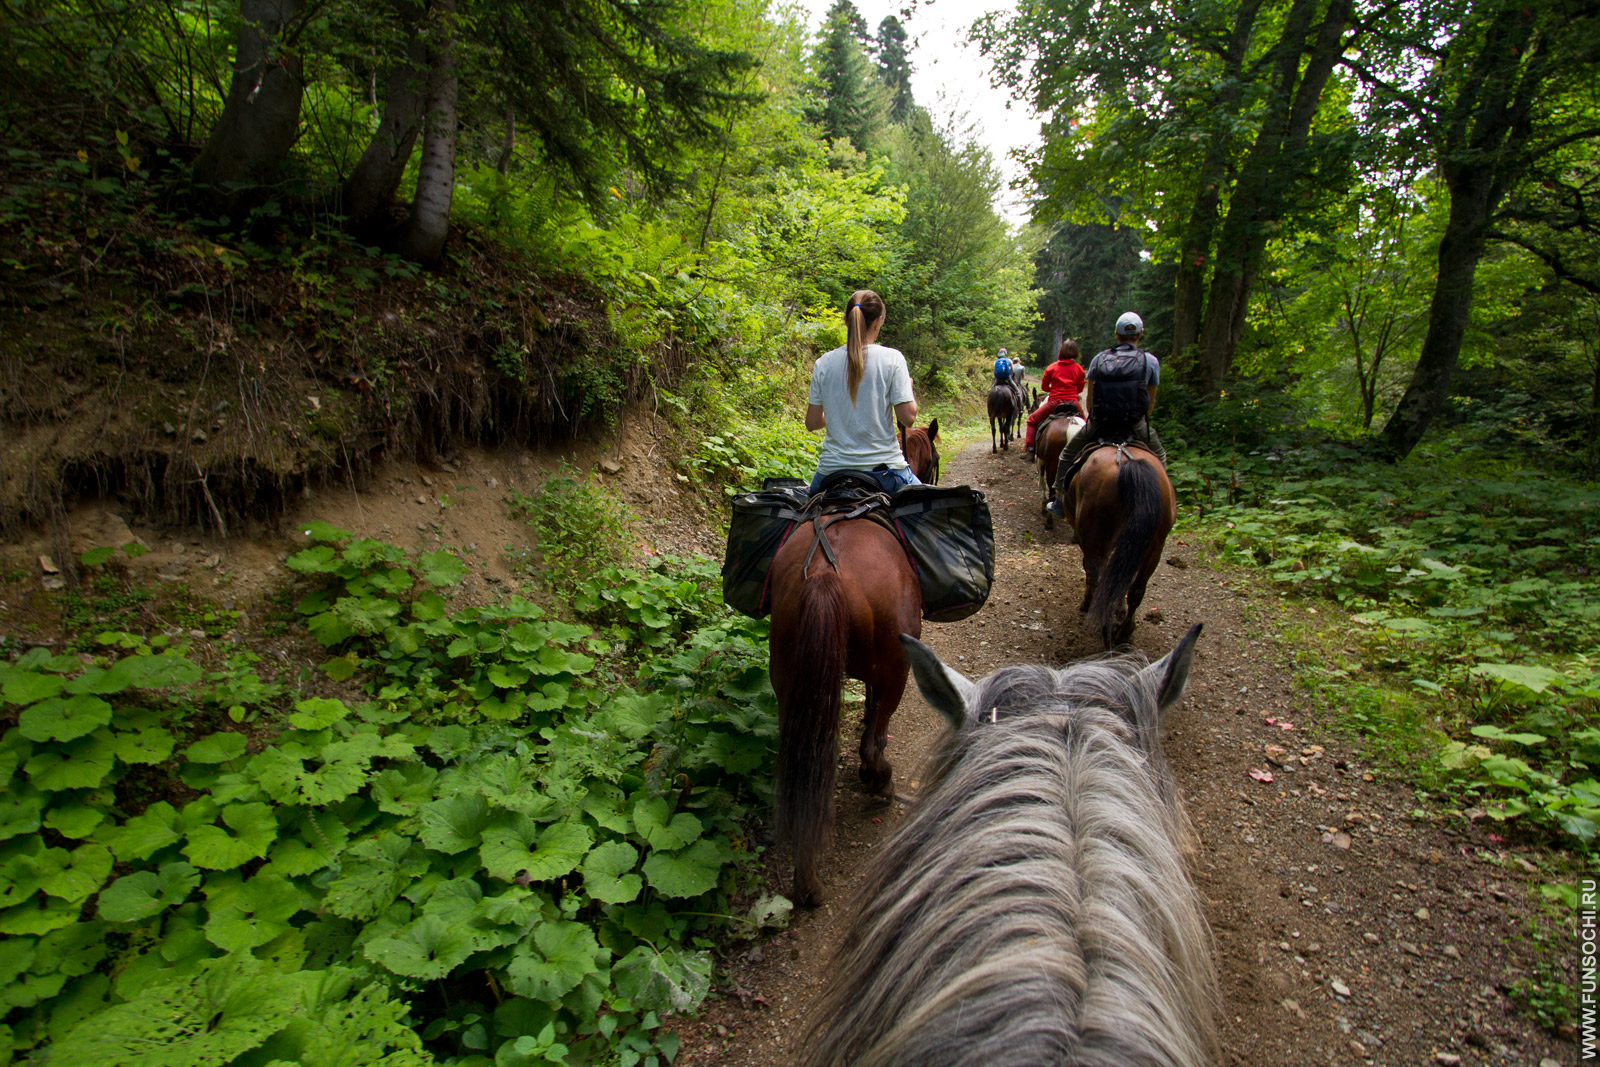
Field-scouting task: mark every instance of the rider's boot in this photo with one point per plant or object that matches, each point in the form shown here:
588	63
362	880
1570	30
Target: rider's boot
1055	508
1028	455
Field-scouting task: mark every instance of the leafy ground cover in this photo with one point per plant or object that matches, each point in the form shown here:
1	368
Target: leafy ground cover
1470	586
513	841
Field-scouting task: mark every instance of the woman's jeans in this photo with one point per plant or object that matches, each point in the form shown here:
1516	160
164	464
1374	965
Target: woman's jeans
889	480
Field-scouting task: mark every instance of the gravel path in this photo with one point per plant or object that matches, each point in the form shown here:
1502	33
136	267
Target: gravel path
1346	931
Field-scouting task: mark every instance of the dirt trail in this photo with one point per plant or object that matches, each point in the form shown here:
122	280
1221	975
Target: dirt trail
1346	931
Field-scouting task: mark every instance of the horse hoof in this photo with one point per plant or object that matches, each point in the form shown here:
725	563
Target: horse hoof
807	894
877	780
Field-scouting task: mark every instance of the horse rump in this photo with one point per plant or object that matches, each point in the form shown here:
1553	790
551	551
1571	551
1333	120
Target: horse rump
1144	517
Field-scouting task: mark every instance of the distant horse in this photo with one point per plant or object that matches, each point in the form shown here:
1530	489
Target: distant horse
837	609
1053	436
920	446
1002	413
1123	507
1034	907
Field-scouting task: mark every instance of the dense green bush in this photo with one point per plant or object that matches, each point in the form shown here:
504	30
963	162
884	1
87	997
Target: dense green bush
494	859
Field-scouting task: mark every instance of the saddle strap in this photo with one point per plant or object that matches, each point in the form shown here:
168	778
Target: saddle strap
821	520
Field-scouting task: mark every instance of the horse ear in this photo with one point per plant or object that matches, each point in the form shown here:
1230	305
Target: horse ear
1170	673
945	689
933	430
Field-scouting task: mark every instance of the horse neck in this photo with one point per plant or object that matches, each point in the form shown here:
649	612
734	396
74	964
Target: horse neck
953	933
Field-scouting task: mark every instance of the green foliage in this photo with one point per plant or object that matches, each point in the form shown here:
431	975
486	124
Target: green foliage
495	830
1473	597
579	527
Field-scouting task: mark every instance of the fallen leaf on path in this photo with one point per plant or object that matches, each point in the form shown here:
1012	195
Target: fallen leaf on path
1260	775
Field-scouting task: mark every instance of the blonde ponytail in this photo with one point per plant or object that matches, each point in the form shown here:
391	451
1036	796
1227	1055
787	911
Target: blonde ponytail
865	308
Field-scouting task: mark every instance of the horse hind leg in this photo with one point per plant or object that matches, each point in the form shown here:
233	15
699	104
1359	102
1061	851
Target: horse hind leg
877	773
1135	598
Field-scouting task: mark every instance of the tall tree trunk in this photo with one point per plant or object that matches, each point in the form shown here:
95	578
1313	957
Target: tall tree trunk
508	141
261	116
1194	255
1459	251
1188	297
1275	165
1482	155
425	233
369	191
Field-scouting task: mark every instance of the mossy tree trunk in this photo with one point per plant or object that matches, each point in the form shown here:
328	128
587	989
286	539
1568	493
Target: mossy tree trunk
261	117
424	236
369	191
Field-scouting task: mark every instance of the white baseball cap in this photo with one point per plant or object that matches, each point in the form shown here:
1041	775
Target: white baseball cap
1130	325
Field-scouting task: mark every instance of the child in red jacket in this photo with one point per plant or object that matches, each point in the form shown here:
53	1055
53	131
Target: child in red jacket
1062	382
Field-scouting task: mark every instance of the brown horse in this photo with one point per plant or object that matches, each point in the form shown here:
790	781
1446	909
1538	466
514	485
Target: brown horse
1123	507
830	620
1053	437
920	446
1002	414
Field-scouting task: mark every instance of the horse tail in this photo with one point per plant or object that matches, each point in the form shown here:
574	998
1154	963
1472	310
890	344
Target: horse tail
1143	513
808	730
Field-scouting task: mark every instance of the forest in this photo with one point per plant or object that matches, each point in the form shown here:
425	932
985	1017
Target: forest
252	249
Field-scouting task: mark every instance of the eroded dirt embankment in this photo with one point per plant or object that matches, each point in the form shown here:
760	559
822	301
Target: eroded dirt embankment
1346	931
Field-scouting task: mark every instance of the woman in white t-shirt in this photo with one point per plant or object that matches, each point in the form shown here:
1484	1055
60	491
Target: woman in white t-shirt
858	395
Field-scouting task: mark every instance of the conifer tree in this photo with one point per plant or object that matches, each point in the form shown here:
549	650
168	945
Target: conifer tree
894	67
848	108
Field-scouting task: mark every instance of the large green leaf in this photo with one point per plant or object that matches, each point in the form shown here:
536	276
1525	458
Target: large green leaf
653	818
82	875
375	872
561	848
144	835
21	686
243	915
145	893
443	568
63	718
606	875
159	671
255	828
219	747
428	948
669	980
75	821
318	713
314	842
20	810
1536	679
557	959
454	824
685	874
508	846
39	916
148	744
402	790
211	1016
81	764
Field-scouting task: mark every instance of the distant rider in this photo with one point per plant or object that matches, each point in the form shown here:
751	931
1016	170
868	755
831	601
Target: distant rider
858	394
1062	382
1002	369
1122	383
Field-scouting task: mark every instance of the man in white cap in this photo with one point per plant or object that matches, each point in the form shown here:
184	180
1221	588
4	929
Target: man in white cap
1119	394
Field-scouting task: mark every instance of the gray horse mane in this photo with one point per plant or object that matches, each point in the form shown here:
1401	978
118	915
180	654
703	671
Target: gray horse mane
1034	908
